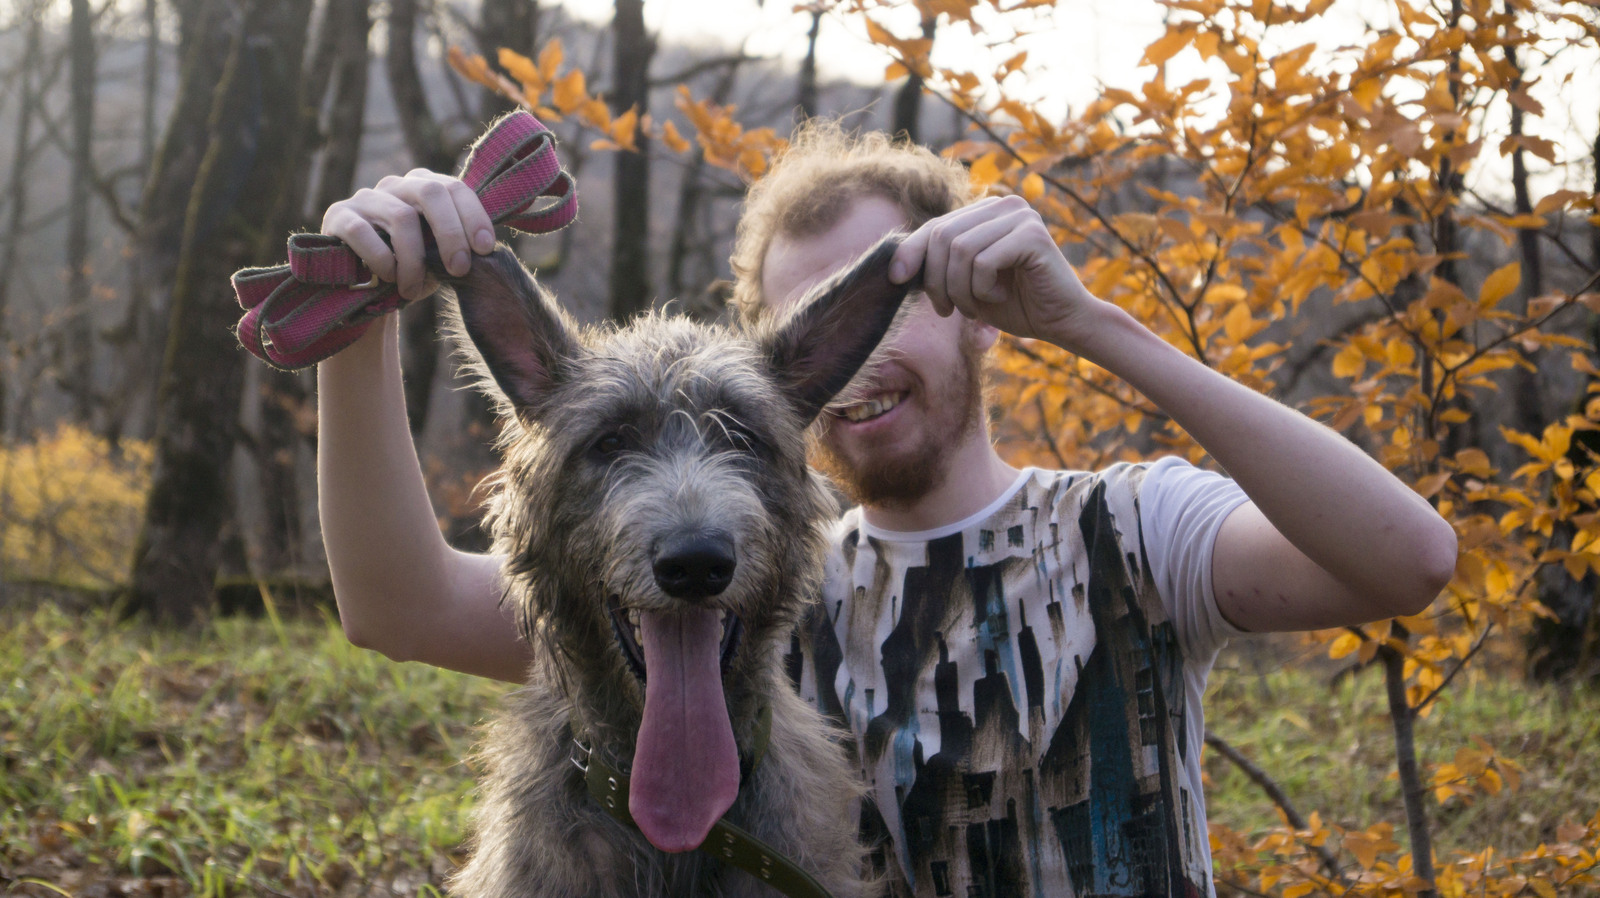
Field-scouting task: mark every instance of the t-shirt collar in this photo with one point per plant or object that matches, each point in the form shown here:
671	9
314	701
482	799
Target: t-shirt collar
972	520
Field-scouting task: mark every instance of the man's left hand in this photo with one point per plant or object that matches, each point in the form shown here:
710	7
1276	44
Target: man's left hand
995	261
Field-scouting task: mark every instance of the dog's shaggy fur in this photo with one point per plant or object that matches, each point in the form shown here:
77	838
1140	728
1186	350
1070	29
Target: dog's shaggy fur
616	440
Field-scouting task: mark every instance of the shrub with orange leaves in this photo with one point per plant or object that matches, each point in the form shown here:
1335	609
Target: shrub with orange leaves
556	96
70	506
1319	193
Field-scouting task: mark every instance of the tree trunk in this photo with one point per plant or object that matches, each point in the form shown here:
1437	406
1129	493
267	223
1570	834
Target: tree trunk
22	154
152	82
687	235
1527	405
423	137
632	49
1413	791
351	21
74	343
908	100
236	216
514	25
1446	239
425	141
338	66
204	41
807	99
1594	229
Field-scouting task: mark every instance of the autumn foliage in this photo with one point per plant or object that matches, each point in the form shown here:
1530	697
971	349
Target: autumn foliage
69	508
1291	212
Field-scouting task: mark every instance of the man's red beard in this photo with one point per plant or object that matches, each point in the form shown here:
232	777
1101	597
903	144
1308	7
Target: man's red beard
898	481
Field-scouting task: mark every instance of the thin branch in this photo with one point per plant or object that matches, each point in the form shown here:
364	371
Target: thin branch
1461	665
705	65
1279	798
1569	252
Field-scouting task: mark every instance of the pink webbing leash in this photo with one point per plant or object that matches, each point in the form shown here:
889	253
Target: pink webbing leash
299	314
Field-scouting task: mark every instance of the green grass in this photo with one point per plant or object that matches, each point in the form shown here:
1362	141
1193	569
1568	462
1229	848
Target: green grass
273	758
255	758
1331	748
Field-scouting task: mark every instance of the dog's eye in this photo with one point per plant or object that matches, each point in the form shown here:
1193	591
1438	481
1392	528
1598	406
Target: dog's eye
742	439
610	444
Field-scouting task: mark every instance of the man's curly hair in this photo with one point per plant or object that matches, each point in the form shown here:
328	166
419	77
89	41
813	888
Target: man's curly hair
812	183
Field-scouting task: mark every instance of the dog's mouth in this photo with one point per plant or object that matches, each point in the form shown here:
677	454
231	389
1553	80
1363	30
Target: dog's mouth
626	627
685	762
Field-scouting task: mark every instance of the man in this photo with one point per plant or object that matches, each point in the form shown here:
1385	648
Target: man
1019	655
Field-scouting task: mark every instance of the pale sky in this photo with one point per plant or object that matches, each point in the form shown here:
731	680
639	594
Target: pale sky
1080	45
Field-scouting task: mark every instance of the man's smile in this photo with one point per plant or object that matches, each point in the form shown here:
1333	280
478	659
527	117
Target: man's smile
871	408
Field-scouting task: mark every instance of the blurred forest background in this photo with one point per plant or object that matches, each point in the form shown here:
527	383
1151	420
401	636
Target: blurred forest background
1382	213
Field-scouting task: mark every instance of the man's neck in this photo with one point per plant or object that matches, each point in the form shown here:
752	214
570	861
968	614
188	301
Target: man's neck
975	475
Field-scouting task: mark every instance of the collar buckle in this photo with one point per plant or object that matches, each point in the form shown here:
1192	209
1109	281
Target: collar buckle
580	754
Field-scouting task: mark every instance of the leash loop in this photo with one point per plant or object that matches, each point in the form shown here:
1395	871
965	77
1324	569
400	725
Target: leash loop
325	298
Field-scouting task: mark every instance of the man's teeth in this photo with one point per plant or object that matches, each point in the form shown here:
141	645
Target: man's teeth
872	408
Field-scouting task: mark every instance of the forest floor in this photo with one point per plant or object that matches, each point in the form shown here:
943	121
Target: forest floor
272	757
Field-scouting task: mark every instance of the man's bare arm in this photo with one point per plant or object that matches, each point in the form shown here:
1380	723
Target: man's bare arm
1329	537
401	589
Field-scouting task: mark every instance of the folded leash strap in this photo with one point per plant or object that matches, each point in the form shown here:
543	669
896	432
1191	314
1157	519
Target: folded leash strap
298	314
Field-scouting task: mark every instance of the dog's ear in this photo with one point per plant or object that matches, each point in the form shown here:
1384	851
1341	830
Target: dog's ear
817	348
510	332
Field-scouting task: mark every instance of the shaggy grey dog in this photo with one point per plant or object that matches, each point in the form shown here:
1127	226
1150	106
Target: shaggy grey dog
663	536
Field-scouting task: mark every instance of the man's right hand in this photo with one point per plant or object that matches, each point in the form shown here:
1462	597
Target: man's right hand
458	220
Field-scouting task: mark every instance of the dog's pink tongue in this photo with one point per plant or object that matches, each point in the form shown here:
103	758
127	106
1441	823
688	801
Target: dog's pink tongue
685	765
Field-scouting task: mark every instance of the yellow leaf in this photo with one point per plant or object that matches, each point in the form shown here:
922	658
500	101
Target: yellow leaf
1526	222
550	59
570	91
1166	46
1299	890
1033	187
1431	484
1560	199
1499	285
1237	324
1344	644
1366	92
1349	362
1498	581
984	172
623	129
1400	353
671	137
1474	462
518	66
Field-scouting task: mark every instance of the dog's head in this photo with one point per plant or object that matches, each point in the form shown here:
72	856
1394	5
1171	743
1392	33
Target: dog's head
662	528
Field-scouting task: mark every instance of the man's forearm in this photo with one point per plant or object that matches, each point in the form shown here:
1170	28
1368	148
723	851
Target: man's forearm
1332	501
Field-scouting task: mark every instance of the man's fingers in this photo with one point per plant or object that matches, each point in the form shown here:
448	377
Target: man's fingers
454	214
359	234
947	255
989	249
474	218
908	258
405	235
437	204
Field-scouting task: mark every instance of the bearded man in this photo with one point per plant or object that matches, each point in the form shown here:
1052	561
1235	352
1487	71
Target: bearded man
1019	655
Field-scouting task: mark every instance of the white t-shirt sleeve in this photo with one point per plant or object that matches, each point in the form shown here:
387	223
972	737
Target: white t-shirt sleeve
1181	508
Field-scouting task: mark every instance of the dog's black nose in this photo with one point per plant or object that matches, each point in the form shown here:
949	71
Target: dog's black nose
695	566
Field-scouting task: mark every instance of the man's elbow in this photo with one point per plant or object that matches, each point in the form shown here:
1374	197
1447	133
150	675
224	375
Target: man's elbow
365	637
1435	568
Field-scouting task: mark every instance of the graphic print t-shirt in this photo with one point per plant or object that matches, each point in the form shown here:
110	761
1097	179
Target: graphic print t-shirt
1024	686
